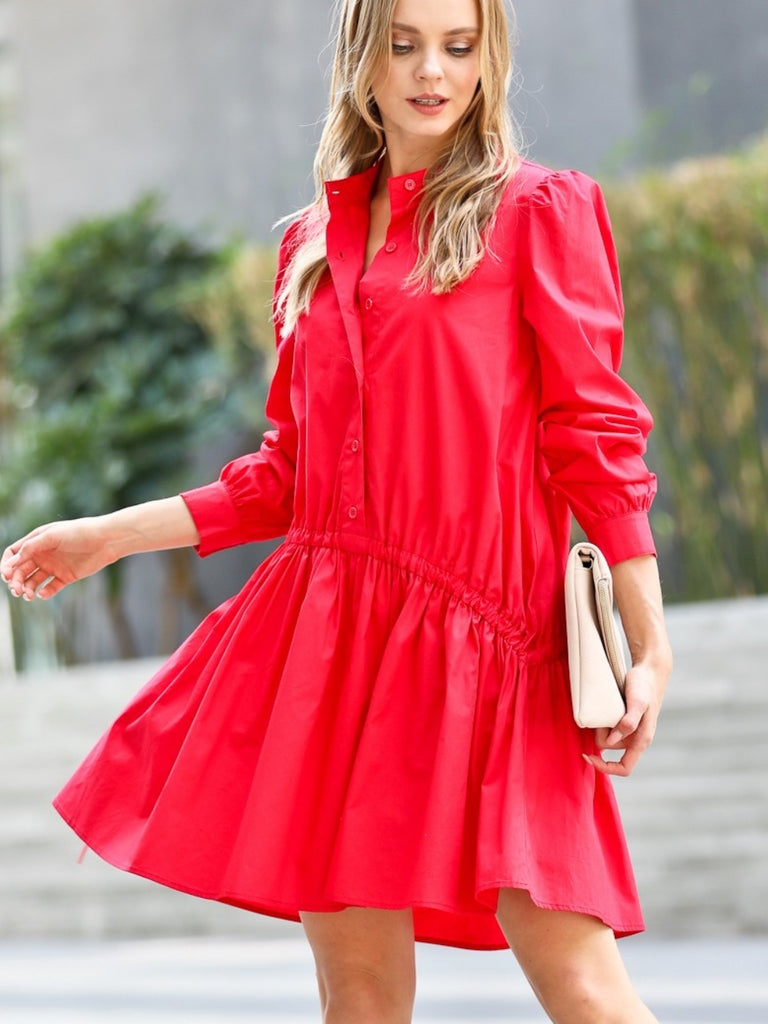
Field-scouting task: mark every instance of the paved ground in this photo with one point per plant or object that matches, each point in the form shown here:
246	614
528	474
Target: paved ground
214	981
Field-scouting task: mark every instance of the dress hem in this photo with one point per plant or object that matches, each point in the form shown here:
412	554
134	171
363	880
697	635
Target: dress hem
273	908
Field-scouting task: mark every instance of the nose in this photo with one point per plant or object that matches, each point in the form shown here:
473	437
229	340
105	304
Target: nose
431	67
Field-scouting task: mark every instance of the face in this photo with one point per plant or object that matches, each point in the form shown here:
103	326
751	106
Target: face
432	77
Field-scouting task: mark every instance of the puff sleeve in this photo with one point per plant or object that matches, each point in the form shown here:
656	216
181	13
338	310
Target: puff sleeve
253	497
592	426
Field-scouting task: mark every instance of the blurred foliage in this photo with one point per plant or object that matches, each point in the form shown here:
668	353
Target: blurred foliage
109	382
110	379
693	248
233	306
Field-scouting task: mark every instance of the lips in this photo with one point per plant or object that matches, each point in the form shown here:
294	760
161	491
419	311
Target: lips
428	103
428	100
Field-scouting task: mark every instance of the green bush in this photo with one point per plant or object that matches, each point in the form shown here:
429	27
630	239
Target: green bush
233	307
109	382
693	248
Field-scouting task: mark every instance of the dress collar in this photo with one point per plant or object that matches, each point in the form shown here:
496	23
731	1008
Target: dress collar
357	188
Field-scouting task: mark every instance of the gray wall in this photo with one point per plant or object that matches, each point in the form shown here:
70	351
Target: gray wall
579	101
703	73
211	101
216	102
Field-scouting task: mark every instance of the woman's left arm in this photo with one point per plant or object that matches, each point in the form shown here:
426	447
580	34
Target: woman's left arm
638	596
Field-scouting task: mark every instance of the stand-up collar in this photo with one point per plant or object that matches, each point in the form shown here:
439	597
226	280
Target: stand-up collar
357	189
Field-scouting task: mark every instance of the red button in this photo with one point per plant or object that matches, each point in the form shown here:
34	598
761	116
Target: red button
369	303
391	246
355	445
409	184
352	512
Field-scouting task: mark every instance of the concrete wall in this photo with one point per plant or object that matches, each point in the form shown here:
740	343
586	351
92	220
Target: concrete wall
703	73
579	102
12	229
210	101
215	102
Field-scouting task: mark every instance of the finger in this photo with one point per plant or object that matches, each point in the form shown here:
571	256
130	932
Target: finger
601	737
13	552
618	768
622	768
30	583
20	573
628	725
7	563
632	752
49	588
28	556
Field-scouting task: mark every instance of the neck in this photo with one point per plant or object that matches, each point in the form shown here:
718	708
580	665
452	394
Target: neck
397	161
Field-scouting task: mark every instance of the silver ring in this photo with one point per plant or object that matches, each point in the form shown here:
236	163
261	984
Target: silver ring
44	584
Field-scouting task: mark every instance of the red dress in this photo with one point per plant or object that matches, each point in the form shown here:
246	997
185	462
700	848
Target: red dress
381	716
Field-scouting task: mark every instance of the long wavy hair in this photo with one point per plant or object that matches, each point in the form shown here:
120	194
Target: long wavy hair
463	189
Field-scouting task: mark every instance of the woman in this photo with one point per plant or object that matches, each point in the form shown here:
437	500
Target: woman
375	735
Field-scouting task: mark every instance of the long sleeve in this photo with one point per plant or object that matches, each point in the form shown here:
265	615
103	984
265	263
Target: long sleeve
253	497
593	427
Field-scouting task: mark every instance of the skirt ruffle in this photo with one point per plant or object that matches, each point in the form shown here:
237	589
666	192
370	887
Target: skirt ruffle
348	731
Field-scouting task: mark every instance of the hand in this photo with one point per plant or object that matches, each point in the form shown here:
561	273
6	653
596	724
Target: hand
51	557
638	595
644	689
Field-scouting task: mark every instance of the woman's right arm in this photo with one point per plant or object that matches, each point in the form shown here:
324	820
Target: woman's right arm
64	552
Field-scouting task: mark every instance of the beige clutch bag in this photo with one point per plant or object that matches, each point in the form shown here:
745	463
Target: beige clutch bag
595	654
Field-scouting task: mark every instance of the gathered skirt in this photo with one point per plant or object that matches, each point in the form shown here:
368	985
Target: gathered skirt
352	729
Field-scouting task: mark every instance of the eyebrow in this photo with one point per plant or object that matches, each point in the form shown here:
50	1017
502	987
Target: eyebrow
473	29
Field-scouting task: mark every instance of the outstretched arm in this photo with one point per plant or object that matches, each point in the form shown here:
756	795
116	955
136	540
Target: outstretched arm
51	557
638	595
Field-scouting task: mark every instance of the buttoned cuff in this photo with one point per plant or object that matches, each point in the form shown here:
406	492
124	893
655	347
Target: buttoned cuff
215	516
626	537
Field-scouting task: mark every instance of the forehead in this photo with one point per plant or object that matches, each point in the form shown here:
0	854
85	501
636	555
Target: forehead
437	15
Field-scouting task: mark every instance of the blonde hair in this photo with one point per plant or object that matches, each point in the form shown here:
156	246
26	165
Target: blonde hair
463	190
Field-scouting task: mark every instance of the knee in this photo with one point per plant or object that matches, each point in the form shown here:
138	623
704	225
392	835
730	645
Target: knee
354	992
578	995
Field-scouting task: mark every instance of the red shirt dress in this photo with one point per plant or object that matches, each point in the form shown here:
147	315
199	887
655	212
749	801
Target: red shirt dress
381	717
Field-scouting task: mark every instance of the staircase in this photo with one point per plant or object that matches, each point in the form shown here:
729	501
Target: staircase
696	810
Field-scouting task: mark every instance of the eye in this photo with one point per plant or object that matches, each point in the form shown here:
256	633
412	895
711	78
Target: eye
460	51
401	48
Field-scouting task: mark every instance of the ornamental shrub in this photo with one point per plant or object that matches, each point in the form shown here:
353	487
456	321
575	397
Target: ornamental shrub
693	248
108	382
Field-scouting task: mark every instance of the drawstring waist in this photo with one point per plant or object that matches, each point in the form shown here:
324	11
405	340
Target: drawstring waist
510	628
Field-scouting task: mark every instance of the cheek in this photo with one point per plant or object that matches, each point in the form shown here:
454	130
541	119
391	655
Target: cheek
468	74
471	82
382	88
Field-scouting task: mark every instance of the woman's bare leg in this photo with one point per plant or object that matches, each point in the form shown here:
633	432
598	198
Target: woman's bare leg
365	964
572	963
